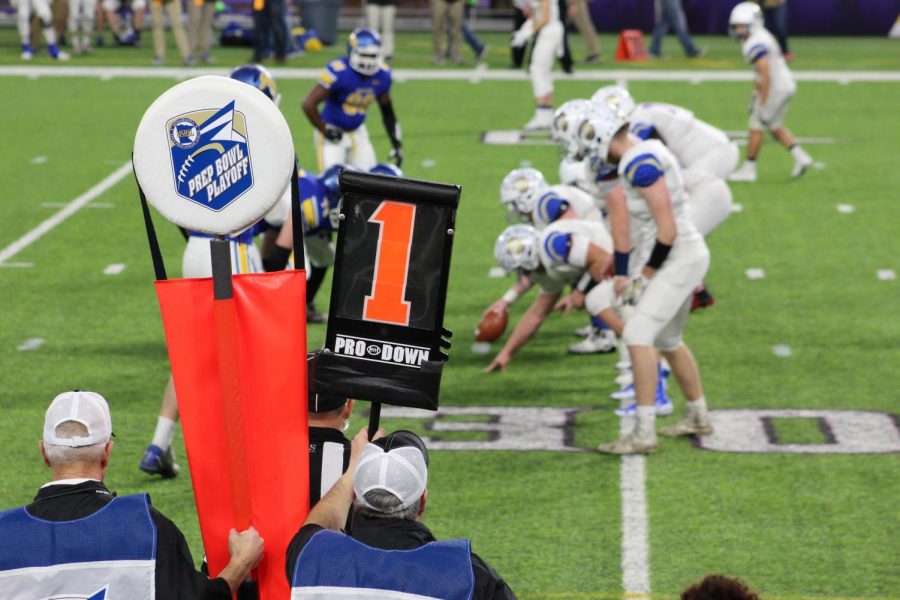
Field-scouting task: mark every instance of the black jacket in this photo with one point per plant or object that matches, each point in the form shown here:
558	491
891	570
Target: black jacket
176	577
395	534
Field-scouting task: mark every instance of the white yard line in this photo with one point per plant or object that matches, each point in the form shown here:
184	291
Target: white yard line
114	269
30	344
627	75
635	527
64	213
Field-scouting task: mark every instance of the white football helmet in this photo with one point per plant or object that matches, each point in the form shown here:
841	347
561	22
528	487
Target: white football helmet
517	248
564	128
745	13
521	188
598	129
615	97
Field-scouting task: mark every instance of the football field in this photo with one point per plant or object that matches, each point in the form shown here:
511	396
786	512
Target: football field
797	493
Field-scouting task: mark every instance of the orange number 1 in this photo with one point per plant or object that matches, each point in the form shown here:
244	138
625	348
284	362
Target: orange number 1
386	304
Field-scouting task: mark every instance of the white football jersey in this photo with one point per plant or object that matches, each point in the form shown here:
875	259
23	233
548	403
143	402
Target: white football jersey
761	43
686	136
554	10
563	250
554	203
641	167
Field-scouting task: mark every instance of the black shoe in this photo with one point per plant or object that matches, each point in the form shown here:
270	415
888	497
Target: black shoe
697	53
157	462
593	59
314	316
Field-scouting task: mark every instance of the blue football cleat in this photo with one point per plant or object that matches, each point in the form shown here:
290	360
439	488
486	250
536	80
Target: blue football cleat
662	403
159	462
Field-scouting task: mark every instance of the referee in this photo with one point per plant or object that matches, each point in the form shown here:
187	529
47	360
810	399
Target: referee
329	449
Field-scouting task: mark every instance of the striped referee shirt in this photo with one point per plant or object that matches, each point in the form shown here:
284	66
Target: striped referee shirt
329	455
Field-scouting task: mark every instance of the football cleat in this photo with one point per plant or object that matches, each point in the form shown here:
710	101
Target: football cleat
599	341
747	173
663	406
801	164
27	55
159	462
702	299
315	316
688	426
626	393
584	331
61	56
541	121
630	444
625	378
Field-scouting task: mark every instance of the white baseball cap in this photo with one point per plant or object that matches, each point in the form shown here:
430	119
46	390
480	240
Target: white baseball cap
88	408
402	471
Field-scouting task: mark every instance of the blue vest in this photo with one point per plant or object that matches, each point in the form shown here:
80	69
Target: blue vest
109	554
333	565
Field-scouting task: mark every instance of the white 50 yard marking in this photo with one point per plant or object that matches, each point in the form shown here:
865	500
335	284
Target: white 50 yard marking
635	528
64	213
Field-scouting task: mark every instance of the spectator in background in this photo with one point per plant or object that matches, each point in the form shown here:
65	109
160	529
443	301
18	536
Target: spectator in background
719	587
269	24
79	547
380	15
478	47
579	13
447	13
201	14
173	10
670	15
775	15
386	483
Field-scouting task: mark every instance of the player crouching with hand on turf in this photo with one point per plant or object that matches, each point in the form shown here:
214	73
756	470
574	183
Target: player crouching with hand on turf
568	252
775	87
669	258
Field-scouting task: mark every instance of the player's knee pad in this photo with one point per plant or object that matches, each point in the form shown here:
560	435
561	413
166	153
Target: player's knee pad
600	298
668	343
108	5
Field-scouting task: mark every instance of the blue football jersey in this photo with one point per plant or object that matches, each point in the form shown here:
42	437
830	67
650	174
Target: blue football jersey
350	93
314	204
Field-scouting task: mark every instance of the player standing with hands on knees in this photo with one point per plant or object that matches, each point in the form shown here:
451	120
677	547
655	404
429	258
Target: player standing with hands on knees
543	23
669	258
347	86
775	87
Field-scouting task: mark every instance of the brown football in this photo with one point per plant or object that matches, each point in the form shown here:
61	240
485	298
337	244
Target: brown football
492	326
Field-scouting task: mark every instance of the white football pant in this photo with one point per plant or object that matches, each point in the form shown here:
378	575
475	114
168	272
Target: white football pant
354	149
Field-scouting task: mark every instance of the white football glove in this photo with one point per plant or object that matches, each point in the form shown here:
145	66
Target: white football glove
522	35
633	290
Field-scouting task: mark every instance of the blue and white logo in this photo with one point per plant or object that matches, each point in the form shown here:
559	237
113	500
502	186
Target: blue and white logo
210	156
98	595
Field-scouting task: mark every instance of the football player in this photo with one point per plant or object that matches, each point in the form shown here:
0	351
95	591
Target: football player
41	8
568	252
347	86
545	25
158	459
319	200
774	89
669	260
82	14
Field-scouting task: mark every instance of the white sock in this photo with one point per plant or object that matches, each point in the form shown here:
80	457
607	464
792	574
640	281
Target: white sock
696	409
646	422
799	153
165	430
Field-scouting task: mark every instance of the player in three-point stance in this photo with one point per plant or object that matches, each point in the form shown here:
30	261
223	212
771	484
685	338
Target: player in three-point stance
568	252
347	86
775	87
668	260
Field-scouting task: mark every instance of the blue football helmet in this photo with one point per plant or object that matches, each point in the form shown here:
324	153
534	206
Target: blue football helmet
364	50
260	78
389	169
329	180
